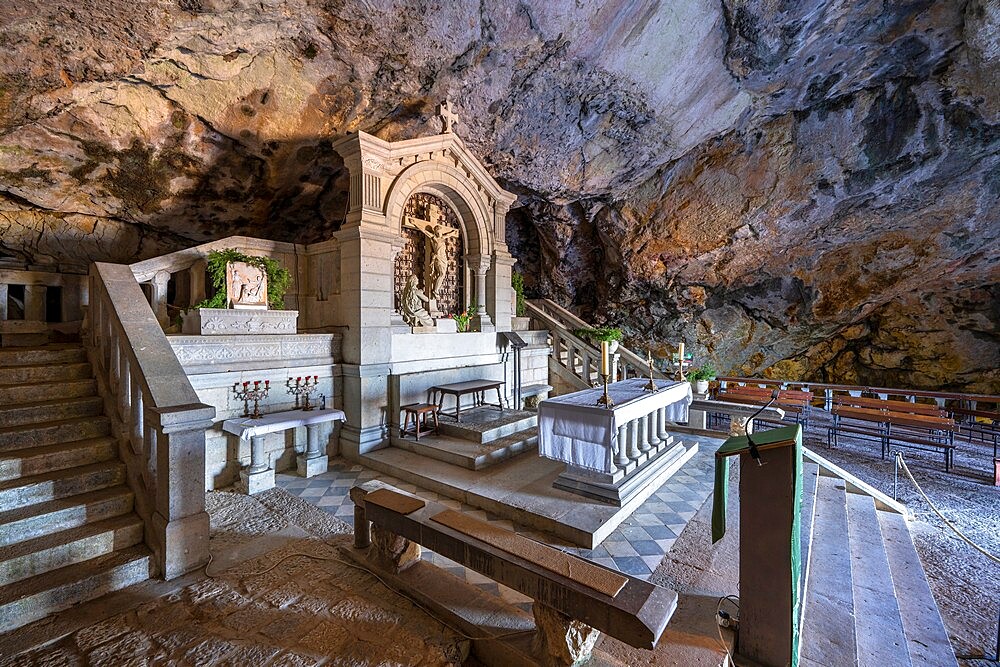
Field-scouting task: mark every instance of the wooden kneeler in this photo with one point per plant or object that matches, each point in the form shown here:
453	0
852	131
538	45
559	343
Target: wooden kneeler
770	506
574	599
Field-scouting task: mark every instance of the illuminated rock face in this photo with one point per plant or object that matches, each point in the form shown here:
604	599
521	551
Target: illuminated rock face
809	184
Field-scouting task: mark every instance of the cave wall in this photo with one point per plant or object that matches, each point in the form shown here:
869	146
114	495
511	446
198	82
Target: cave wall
806	189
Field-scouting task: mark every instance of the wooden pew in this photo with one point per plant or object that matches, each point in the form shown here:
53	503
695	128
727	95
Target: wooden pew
637	614
794	402
892	406
902	429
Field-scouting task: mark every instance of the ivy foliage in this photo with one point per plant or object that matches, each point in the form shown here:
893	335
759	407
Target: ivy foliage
517	282
278	277
605	334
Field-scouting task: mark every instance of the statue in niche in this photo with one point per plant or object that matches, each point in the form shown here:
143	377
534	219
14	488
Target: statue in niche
411	305
246	286
437	236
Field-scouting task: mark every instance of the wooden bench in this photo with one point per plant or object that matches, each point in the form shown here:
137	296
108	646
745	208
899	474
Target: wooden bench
913	431
477	388
892	406
636	614
795	403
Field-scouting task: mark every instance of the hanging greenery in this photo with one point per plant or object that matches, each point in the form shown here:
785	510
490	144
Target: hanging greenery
278	277
517	282
605	334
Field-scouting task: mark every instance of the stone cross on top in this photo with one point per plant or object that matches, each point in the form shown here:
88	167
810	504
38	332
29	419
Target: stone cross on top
448	117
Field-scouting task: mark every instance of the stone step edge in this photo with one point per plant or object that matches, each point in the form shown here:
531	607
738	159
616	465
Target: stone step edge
67	540
50	507
76	583
55	366
67	446
35	426
78	471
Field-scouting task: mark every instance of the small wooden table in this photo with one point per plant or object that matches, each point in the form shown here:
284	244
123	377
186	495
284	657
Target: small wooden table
477	388
419	412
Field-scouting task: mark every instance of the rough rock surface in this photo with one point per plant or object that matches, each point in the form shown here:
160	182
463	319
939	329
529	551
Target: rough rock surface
808	189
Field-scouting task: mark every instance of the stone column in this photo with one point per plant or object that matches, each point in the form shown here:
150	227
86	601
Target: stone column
196	282
258	476
3	301
72	299
478	267
498	288
34	303
621	454
159	296
314	461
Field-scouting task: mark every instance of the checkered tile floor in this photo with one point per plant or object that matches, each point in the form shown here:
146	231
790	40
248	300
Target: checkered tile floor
636	547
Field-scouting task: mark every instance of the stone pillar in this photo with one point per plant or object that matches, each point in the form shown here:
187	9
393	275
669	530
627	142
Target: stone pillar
72	299
3	301
258	476
498	288
478	267
34	302
180	524
315	461
159	296
196	282
392	551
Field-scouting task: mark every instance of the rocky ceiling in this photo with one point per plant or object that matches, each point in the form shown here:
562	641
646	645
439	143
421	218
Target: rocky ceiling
805	188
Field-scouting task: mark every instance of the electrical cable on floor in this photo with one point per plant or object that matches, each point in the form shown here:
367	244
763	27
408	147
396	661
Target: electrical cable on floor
906	469
381	581
734	599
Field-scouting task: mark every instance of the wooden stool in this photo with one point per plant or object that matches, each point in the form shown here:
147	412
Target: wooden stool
418	410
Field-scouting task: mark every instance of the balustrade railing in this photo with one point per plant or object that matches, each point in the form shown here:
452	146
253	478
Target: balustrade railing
156	416
578	359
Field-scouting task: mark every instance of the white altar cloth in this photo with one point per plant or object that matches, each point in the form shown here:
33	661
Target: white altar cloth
247	427
574	429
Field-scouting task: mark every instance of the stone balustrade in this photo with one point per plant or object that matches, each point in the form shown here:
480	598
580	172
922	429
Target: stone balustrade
640	436
35	302
156	415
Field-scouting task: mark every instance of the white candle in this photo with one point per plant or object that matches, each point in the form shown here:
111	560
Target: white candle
605	360
680	353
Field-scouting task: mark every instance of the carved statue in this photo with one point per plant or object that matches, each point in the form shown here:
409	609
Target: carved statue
437	236
411	305
246	286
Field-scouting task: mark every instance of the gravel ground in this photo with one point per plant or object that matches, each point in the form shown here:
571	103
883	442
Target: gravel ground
966	584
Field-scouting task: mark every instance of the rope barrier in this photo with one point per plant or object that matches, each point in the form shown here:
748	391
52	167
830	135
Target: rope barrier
906	469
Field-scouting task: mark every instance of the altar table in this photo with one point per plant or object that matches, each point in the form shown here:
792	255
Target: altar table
574	429
259	476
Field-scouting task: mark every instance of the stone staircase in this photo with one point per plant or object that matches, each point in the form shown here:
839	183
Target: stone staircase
68	532
866	598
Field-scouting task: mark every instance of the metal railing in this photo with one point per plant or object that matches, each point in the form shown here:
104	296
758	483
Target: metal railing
156	417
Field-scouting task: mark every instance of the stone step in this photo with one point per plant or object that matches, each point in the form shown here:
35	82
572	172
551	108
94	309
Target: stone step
879	629
48	458
828	636
38	356
810	479
46	391
926	637
60	484
483	425
57	550
50	433
470	455
16	375
44	411
48	593
32	521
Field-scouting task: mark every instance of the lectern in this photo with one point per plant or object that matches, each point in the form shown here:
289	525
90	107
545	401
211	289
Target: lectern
770	504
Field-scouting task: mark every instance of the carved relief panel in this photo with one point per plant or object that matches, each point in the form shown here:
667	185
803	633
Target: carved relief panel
432	252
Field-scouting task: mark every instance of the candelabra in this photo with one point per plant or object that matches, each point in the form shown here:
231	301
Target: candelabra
256	394
303	389
682	362
605	400
650	386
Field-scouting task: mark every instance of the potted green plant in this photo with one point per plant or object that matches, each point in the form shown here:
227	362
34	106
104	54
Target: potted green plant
213	315
611	335
700	377
520	321
464	319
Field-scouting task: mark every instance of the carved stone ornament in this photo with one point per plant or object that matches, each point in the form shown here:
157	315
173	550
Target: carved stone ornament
246	286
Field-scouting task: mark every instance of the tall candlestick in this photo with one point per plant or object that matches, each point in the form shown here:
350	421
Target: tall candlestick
605	360
680	351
